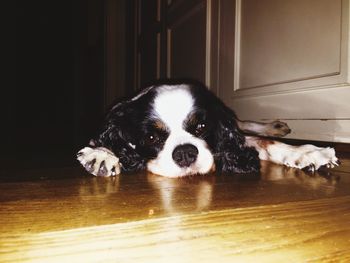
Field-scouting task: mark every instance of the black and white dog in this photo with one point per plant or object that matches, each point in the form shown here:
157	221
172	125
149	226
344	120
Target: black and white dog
183	129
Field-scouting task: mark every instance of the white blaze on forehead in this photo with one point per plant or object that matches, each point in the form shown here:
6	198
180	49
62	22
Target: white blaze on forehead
172	105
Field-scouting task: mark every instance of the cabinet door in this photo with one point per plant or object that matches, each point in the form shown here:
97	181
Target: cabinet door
148	46
288	60
177	39
186	39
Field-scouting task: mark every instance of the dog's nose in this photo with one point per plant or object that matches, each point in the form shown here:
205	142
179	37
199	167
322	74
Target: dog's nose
185	154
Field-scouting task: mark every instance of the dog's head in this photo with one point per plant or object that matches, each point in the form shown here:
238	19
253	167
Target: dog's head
178	130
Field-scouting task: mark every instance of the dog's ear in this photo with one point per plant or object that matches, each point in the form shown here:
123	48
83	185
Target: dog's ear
118	135
231	153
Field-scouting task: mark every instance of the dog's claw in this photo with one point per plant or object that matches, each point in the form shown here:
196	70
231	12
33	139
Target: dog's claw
102	171
89	166
113	173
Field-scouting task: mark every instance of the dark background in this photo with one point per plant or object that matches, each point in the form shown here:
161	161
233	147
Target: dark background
59	96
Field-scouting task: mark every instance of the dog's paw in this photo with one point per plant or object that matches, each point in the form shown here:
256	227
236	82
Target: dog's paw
277	129
99	161
311	158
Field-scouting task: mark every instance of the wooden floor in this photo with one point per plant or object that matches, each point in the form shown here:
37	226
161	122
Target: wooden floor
279	215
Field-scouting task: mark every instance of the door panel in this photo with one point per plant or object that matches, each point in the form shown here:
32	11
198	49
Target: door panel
290	63
288	41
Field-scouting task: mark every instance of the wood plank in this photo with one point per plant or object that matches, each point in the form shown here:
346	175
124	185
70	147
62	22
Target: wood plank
297	231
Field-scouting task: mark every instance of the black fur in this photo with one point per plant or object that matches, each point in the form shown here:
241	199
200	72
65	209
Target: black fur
227	142
122	129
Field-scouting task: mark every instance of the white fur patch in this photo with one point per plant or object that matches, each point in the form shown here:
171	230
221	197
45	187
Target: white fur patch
303	156
92	158
172	106
294	156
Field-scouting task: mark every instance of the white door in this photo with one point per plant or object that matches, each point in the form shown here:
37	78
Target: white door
287	60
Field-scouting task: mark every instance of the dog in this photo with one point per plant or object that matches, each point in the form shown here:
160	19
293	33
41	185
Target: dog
177	130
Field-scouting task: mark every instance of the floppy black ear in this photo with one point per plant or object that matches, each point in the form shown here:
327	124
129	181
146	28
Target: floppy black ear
231	153
117	135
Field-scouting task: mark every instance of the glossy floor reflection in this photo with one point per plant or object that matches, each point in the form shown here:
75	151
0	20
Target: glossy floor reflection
192	209
83	200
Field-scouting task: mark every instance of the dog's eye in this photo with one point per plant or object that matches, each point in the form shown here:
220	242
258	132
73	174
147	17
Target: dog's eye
151	139
200	128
